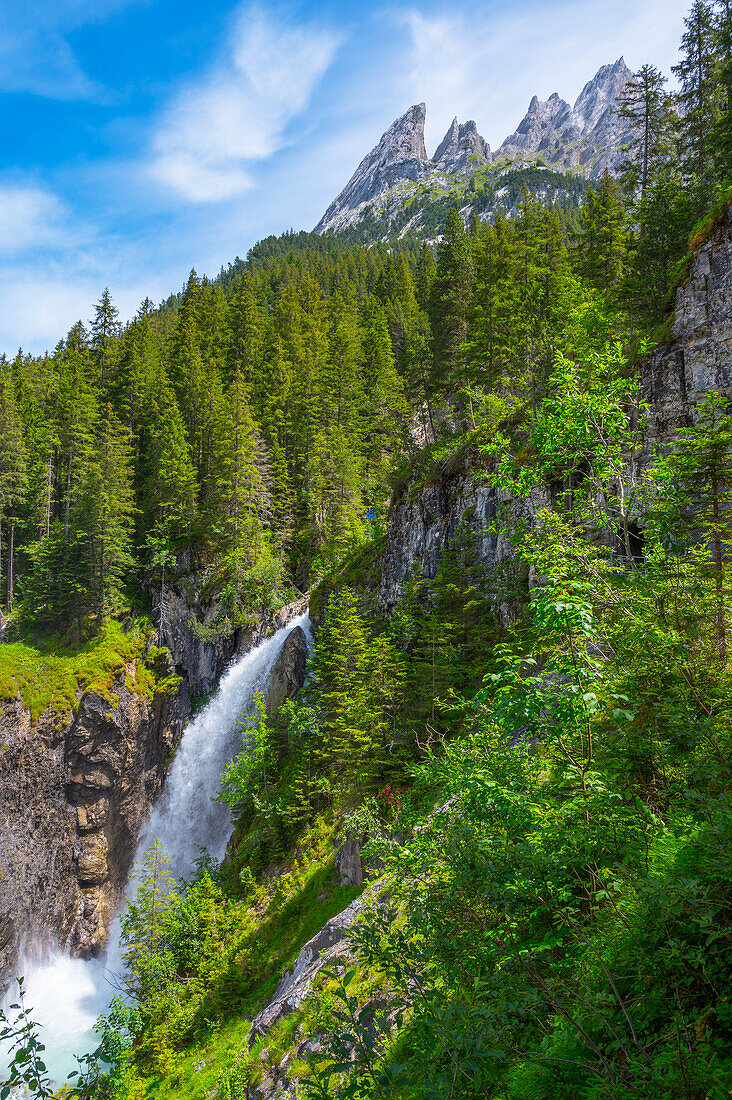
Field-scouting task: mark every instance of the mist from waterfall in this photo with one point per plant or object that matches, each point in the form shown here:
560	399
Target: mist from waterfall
68	994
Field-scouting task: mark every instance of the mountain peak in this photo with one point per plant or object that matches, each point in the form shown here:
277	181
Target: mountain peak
587	135
462	145
399	155
601	93
587	138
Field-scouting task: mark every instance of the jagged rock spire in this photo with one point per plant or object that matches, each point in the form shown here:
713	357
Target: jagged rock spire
588	135
399	155
462	145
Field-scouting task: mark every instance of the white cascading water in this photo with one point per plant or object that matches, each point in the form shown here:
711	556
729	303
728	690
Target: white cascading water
66	994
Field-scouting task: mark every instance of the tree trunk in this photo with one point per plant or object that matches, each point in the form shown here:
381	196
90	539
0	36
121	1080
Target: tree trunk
719	570
11	544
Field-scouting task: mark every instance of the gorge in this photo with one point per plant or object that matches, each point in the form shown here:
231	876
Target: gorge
365	694
69	994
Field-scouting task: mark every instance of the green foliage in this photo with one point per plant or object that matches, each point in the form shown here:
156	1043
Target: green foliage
53	673
145	927
20	1035
250	773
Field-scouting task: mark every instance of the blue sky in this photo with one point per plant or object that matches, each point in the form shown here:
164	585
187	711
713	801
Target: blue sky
145	137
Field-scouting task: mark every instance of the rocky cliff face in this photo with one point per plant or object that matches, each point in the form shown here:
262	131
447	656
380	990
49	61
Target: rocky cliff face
74	794
198	633
586	139
424	518
76	791
698	358
400	155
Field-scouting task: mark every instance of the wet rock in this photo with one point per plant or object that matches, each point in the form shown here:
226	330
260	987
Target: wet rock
91	859
288	673
74	795
202	640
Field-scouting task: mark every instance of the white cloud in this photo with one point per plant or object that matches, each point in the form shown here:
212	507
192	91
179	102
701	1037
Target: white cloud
42	300
35	55
30	217
238	113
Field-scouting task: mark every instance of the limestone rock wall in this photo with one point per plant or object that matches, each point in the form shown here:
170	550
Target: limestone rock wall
424	518
698	358
189	625
74	794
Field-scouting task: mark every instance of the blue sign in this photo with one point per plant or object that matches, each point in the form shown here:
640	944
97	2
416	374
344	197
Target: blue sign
370	513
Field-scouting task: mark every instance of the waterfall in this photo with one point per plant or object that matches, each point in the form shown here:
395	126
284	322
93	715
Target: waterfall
68	994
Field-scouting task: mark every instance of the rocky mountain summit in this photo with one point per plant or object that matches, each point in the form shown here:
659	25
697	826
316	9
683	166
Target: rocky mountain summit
462	147
397	178
588	136
400	155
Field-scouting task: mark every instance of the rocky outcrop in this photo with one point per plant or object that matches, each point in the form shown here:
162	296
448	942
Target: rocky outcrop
424	518
348	861
698	358
462	147
200	636
318	952
588	136
399	155
74	794
288	672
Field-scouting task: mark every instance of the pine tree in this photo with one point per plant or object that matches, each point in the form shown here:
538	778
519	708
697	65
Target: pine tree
361	681
646	108
698	98
144	921
425	275
601	243
105	511
244	483
169	488
721	133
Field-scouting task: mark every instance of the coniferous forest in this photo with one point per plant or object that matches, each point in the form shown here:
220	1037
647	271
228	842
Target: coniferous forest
533	760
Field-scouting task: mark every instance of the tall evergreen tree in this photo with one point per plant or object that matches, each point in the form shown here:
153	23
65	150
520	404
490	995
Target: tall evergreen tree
646	109
105	328
698	98
449	301
13	471
602	236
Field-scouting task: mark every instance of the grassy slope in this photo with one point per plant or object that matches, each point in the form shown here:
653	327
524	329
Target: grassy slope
52	673
269	928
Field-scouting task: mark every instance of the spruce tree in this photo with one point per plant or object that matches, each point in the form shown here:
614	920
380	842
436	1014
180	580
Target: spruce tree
449	301
646	109
602	241
104	330
721	133
698	98
695	501
13	472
